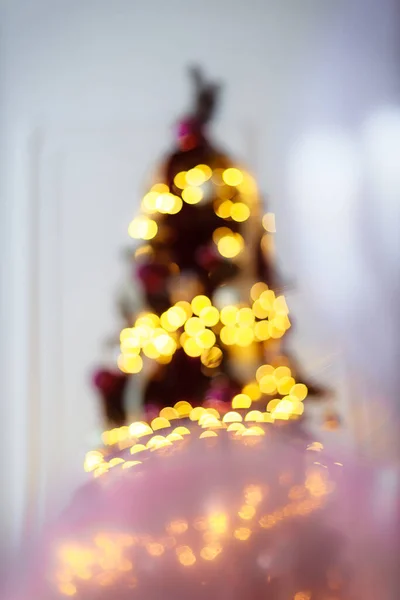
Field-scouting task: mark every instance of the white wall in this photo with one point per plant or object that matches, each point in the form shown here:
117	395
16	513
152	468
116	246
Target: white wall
89	91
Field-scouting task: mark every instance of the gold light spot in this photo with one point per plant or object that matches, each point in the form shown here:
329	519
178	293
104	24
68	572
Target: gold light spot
212	358
236	427
194	325
228	335
206	339
252	390
161	188
160	423
232	176
255	416
92	460
244	336
257	289
195	177
209	315
221	232
264	370
185	556
130	363
143	228
262	331
259	311
139	429
199	303
210	552
183	408
267	299
223	209
268	222
245	317
192	195
181	430
240	212
131	463
254	431
174	437
228	315
299	390
176	316
186	306
177	527
247	512
241	401
192	348
206	170
268	384
196	413
149	202
231	245
169	413
282	371
180	180
253	495
242	533
208	434
232	417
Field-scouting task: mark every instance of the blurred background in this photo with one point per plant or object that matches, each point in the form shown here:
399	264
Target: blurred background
89	92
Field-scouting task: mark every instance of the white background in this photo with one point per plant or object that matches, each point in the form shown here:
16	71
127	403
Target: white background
89	92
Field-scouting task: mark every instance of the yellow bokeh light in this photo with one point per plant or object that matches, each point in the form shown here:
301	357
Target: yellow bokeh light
149	202
242	533
221	232
232	176
268	222
257	289
194	326
150	350
186	307
282	371
223	209
240	212
209	315
206	339
169	413
252	390
92	460
161	188
143	228
228	335
181	431
183	407
160	423
180	180
262	331
192	348
230	246
130	363
228	315
196	413
139	429
212	358
210	552
195	177
174	205
267	299
192	195
185	556
232	417
268	384
244	336
245	317
285	384
254	416
264	370
299	390
247	512
176	316
208	434
207	171
241	401
200	302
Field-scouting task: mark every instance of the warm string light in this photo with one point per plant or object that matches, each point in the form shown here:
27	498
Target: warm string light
188	187
110	557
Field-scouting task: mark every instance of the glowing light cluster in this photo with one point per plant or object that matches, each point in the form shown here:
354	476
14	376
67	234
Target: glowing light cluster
229	244
237	211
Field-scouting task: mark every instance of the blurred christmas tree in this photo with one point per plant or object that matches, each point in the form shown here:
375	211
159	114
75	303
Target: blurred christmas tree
213	315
